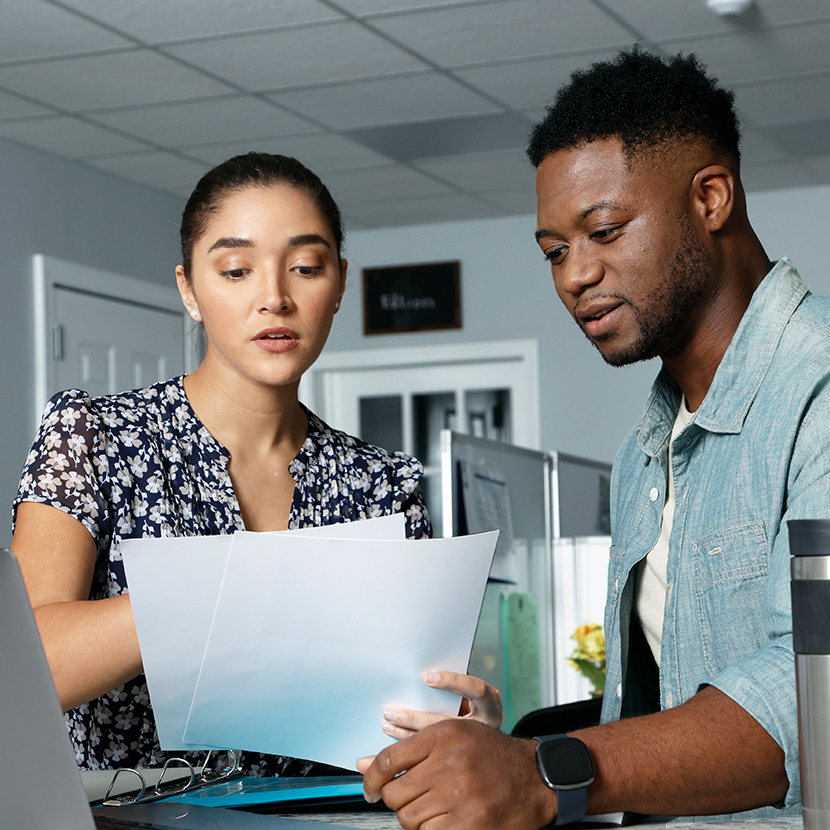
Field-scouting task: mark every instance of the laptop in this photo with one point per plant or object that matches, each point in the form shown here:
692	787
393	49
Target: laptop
40	784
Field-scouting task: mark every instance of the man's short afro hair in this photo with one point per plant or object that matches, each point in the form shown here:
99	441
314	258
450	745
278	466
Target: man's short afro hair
642	99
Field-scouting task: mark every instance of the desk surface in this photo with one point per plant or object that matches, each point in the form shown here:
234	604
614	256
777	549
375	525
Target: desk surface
388	821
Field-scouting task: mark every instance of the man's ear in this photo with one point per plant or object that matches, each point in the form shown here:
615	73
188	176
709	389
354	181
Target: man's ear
186	292
713	196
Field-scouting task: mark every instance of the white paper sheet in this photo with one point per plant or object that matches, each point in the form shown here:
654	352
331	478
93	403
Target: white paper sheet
174	585
312	640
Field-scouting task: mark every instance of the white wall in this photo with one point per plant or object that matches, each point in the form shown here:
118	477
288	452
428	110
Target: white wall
587	406
796	224
56	207
507	294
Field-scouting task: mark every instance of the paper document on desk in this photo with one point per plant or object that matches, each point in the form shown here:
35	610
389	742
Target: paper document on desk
313	638
174	586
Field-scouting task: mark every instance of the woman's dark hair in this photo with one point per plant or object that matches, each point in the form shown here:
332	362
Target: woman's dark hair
252	170
645	101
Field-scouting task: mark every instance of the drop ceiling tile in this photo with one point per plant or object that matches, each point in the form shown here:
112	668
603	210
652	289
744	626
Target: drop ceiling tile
239	117
33	29
483	171
756	148
370	7
158	169
12	106
381	183
68	137
387	101
468	35
317	54
528	84
187	19
420	211
446	137
819	167
114	80
803	139
793	100
321	152
776	176
515	203
776	54
657	19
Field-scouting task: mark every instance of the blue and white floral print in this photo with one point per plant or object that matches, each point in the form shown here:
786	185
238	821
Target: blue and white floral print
140	464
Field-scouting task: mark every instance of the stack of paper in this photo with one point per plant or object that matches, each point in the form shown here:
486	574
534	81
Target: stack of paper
293	643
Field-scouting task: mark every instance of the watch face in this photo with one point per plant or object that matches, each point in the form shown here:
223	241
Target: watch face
565	762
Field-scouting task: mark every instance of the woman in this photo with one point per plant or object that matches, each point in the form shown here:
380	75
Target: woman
225	448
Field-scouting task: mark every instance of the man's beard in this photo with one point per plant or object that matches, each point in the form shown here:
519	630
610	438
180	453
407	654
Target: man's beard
672	302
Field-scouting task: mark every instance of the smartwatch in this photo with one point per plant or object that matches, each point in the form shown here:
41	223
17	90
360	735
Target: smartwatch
565	766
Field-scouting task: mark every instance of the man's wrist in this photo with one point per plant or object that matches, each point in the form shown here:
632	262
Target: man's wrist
565	767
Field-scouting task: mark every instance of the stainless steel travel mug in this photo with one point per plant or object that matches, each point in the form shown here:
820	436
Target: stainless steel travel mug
810	569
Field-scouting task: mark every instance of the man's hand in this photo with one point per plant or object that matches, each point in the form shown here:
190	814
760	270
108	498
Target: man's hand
460	774
481	702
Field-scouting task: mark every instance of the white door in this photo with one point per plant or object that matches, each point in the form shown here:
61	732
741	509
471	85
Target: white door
401	399
103	332
104	345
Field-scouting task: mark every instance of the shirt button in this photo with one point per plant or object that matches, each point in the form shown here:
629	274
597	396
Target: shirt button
669	699
654	493
619	690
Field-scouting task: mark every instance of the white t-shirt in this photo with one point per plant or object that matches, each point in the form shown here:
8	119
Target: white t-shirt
650	592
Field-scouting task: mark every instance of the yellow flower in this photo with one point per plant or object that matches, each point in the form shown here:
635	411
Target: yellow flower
588	658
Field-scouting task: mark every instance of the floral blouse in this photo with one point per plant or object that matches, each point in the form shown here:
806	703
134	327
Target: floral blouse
140	464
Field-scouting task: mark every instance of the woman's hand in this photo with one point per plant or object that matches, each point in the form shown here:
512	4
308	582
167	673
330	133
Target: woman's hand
481	702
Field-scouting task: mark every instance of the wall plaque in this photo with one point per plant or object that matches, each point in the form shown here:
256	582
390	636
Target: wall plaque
412	298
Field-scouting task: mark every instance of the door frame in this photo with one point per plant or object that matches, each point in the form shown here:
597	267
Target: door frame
316	387
49	273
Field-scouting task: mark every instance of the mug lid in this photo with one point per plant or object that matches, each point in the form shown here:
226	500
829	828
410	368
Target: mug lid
809	537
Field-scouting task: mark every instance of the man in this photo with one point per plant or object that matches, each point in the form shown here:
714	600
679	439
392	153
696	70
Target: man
642	216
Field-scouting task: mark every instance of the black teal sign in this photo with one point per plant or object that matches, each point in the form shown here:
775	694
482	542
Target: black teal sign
412	298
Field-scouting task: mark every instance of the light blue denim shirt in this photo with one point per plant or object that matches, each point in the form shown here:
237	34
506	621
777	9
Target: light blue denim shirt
756	454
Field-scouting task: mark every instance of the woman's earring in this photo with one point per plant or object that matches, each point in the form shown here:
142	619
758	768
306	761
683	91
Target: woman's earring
337	306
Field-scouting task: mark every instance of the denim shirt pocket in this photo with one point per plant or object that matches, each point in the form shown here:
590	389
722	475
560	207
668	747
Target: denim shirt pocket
730	566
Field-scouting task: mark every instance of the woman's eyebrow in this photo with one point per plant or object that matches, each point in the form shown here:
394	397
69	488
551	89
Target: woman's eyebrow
308	239
231	242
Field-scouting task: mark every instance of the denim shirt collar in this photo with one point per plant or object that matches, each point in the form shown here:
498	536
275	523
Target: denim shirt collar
741	371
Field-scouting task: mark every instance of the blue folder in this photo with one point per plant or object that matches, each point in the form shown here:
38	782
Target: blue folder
261	793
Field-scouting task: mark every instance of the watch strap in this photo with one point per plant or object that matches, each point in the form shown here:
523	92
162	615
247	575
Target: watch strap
572	806
572	802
